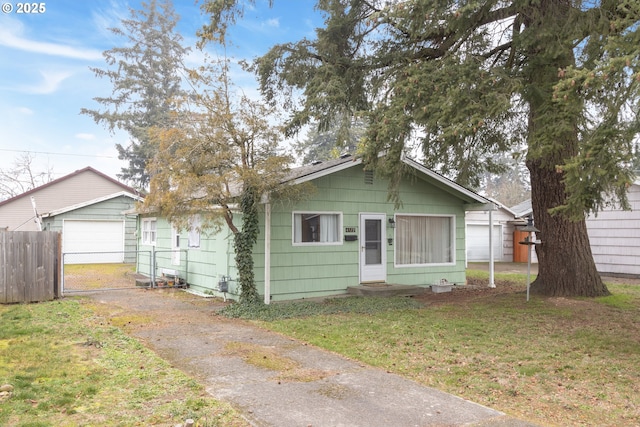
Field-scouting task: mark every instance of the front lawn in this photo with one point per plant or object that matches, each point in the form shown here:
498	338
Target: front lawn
61	364
554	361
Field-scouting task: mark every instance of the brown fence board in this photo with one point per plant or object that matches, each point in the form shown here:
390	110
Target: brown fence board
28	264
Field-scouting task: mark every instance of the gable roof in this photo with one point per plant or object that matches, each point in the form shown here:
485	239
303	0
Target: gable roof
92	202
500	206
318	170
124	187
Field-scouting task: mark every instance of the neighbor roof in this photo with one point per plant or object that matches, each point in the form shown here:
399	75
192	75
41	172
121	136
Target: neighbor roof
124	187
523	209
93	202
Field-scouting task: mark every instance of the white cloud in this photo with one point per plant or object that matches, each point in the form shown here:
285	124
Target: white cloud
49	84
274	23
11	35
85	136
24	110
108	17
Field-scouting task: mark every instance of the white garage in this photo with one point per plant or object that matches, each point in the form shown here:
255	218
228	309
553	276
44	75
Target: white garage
478	242
87	241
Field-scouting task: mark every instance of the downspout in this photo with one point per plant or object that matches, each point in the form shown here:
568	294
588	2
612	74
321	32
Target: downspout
267	252
491	266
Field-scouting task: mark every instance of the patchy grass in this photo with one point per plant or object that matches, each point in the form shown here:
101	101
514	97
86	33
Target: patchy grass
67	367
87	277
554	361
297	309
269	358
260	356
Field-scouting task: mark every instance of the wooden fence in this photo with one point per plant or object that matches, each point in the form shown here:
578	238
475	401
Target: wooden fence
29	266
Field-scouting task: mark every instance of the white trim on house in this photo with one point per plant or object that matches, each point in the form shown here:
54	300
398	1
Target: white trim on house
452	237
337	242
91	202
267	252
372	272
327	168
327	171
153	235
486	203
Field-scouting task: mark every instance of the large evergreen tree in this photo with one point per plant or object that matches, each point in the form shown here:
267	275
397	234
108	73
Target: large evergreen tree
146	75
328	144
469	79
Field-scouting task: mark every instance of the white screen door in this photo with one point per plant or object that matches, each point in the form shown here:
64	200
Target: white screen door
373	256
175	246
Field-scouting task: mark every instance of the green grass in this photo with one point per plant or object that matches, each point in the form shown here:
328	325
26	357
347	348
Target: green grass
554	361
68	368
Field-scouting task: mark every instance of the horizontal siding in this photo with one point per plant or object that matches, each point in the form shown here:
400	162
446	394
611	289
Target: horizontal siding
614	235
108	210
201	267
312	271
76	189
309	271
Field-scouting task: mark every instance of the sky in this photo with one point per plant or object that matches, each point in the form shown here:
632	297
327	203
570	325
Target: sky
45	75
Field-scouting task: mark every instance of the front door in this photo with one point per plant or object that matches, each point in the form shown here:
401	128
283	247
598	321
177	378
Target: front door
373	256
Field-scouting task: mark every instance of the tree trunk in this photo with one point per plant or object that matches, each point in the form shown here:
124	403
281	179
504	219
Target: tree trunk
565	262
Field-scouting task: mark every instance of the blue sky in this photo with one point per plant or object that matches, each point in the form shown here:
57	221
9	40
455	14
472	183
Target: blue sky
45	78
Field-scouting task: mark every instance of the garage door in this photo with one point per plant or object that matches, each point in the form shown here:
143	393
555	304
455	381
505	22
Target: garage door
93	239
478	242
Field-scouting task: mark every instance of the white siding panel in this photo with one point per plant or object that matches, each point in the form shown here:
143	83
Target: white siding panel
615	237
76	188
93	237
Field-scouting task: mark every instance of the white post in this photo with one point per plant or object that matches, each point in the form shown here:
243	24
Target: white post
267	253
492	283
529	244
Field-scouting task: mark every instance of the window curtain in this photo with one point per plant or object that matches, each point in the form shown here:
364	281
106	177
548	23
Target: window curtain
325	230
423	240
328	228
297	228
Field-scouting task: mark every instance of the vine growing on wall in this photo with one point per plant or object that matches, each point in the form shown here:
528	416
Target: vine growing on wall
244	241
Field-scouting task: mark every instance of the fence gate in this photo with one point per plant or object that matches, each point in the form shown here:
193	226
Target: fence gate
29	262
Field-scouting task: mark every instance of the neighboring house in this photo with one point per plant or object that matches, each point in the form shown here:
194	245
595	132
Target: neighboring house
504	223
614	235
87	206
345	234
507	234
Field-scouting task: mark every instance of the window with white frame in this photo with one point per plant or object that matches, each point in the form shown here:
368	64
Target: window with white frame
149	231
424	239
317	228
194	231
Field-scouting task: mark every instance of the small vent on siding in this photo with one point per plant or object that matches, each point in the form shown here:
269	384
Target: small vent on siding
368	177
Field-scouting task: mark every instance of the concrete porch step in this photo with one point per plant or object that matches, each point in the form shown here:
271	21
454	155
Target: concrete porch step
386	290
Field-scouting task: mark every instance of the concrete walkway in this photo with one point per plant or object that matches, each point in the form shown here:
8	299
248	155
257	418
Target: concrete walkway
335	391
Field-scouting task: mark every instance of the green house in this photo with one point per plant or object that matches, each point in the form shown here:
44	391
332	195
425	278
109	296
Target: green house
346	233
